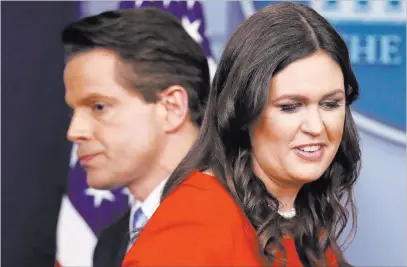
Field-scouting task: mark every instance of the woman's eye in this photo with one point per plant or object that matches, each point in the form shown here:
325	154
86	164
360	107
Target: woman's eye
289	107
331	104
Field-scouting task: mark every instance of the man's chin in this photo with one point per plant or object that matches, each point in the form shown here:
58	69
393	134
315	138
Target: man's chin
100	183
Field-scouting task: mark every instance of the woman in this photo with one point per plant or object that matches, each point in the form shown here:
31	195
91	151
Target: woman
278	133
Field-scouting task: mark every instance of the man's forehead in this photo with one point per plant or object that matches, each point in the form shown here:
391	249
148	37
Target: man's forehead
81	95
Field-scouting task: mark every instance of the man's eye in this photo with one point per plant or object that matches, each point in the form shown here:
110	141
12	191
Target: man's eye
98	107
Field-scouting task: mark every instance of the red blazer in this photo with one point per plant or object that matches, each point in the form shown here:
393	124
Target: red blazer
198	224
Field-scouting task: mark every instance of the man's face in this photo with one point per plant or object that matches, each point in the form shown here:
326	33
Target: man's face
117	132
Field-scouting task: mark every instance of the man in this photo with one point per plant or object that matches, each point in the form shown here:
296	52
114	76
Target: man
138	85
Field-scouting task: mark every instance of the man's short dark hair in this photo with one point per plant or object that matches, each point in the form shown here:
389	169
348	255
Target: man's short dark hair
154	48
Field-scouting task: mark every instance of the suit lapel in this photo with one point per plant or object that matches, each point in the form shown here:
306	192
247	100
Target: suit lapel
123	236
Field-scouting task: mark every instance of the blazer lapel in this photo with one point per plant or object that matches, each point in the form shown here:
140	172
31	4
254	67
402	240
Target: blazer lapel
123	235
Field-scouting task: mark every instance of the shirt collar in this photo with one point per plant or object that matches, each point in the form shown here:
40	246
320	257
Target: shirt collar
150	204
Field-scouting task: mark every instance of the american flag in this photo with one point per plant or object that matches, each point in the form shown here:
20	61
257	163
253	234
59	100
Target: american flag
85	211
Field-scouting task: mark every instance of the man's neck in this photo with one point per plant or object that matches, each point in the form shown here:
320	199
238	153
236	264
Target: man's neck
143	188
167	160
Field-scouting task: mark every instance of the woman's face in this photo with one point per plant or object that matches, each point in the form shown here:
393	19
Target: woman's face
299	132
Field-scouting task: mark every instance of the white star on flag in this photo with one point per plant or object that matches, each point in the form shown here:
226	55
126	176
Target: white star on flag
138	3
192	28
166	3
190	4
99	196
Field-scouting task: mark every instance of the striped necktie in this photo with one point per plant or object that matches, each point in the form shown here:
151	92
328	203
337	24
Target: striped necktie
139	220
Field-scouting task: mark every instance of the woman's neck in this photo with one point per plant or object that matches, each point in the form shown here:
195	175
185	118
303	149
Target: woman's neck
283	191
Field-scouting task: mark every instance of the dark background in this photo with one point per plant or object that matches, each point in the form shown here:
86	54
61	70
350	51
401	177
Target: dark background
35	152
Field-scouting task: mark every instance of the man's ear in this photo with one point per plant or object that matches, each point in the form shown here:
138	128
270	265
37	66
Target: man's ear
174	103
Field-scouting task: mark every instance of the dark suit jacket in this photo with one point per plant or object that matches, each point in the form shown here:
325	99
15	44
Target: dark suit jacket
112	244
